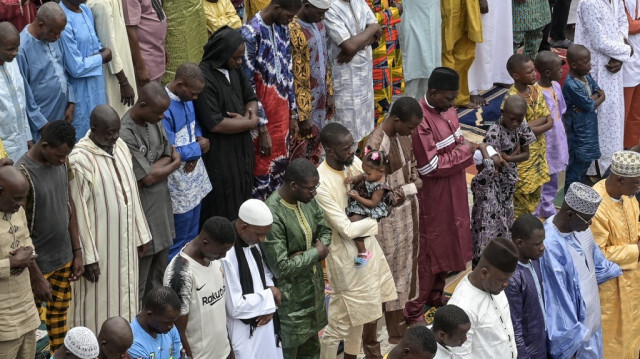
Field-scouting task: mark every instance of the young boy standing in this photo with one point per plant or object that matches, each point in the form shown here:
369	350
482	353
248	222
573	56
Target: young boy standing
525	291
534	172
583	96
549	66
505	144
450	327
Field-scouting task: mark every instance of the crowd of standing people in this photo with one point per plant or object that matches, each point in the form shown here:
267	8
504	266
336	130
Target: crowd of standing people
190	178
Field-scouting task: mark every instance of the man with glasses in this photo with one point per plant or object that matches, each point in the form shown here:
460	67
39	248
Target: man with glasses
294	249
616	231
572	268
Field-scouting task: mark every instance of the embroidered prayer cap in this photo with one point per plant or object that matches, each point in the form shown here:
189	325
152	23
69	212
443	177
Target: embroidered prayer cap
81	342
582	198
626	163
444	78
256	213
478	158
321	4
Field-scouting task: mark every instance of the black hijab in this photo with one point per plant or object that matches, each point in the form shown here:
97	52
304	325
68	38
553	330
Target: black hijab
221	45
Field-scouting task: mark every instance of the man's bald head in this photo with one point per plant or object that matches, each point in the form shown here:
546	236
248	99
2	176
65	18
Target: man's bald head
103	114
115	338
13	189
49	12
8	31
9	42
105	127
153	93
49	22
152	102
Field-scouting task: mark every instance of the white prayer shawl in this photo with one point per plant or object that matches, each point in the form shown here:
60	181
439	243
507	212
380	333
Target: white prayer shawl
601	27
111	226
631	68
491	334
14	124
361	291
112	32
353	81
492	54
262	345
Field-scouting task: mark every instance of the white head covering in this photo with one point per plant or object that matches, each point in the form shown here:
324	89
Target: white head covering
81	342
321	4
477	156
626	163
255	213
582	198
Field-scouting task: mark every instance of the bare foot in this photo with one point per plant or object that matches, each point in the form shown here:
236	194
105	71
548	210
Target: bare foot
478	100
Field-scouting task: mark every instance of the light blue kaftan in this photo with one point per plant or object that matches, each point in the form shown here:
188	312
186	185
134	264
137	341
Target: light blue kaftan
46	86
572	268
83	64
14	126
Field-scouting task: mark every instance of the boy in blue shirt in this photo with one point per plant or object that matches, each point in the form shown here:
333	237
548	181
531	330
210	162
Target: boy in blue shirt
154	333
582	96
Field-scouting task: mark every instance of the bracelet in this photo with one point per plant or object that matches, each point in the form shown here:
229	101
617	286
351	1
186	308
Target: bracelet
76	249
295	117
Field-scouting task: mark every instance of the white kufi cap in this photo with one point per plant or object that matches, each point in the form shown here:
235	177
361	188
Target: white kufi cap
81	342
321	4
255	213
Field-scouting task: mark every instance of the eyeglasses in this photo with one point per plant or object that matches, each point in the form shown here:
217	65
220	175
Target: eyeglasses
588	223
311	189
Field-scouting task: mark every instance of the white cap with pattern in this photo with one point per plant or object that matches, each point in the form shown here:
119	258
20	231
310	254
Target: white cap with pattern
321	4
582	198
81	342
626	164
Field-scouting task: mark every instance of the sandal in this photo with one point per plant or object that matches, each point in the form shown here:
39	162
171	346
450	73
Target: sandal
362	259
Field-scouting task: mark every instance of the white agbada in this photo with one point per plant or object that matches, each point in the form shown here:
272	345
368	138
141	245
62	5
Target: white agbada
111	226
491	334
492	54
443	352
602	27
353	81
262	345
631	68
112	32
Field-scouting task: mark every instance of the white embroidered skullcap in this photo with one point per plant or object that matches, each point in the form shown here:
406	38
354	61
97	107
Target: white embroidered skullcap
256	213
582	198
81	342
321	4
478	158
626	163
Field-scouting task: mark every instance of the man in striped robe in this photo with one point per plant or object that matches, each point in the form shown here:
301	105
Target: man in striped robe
442	154
111	224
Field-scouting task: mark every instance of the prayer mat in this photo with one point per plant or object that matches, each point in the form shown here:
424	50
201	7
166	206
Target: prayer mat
476	122
42	342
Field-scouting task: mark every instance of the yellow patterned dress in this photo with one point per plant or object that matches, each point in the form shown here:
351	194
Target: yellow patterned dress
252	7
534	172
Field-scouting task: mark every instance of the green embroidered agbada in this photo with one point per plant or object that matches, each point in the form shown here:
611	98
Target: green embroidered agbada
296	229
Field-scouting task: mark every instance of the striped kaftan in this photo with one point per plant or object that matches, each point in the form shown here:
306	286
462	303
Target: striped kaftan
111	225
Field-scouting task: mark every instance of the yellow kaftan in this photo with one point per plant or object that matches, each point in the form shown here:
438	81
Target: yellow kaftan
461	30
616	231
